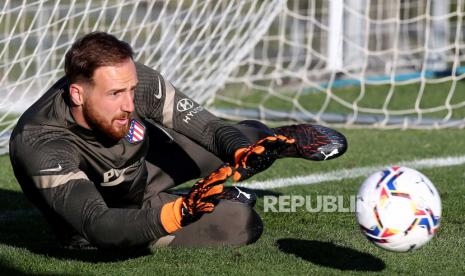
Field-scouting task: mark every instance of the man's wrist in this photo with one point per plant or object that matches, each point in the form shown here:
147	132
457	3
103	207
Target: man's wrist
170	215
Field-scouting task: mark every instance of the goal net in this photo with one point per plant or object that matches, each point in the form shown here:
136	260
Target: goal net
355	63
350	63
195	44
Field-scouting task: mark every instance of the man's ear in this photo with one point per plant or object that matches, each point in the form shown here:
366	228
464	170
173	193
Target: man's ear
76	93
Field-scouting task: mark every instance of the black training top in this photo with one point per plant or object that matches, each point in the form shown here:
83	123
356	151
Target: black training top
85	179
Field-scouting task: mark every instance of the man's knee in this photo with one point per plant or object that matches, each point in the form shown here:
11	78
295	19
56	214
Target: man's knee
231	223
243	223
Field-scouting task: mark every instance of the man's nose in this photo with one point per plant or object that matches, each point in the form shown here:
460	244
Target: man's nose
128	104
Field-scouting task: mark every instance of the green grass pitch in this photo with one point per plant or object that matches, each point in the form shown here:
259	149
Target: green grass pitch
292	243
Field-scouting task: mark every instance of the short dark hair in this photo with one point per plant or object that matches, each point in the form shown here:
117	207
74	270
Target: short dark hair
92	51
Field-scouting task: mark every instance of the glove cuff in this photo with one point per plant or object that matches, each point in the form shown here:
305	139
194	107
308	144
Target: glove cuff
170	215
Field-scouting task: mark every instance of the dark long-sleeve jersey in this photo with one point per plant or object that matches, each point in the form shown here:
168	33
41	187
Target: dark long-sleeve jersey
86	179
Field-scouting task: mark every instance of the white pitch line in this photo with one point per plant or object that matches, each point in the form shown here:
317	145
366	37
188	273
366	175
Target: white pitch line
300	180
351	173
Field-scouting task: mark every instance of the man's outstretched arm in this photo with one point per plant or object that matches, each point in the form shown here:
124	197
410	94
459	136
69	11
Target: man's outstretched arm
157	99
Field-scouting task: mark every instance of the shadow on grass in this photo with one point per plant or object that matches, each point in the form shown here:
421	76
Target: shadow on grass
330	255
7	269
24	227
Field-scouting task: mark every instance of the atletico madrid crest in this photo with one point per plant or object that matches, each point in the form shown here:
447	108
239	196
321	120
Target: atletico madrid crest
136	132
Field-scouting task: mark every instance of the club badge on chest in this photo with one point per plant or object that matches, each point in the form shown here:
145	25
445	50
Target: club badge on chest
136	132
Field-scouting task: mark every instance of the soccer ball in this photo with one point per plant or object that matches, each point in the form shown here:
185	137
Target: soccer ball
398	209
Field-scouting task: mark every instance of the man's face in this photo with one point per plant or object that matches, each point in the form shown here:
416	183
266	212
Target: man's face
109	101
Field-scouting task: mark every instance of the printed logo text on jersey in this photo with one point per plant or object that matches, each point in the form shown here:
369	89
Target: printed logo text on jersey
184	105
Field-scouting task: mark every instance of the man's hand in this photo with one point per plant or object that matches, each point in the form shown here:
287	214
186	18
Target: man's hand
259	157
201	199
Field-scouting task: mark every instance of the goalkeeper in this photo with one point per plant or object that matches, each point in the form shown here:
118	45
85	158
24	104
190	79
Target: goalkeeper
98	152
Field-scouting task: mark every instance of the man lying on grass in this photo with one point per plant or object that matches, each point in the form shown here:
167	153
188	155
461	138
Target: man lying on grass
98	152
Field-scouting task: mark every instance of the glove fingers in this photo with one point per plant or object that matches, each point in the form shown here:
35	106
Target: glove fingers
260	156
269	138
218	176
204	207
215	190
222	173
241	174
193	215
273	139
257	150
275	143
200	194
207	184
201	198
286	139
244	173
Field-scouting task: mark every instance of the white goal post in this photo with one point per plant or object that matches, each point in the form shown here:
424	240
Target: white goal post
351	63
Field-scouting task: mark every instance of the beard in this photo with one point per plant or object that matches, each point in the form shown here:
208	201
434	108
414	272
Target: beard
102	126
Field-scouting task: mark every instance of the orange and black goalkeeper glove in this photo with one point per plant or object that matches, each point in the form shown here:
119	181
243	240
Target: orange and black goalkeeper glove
202	198
259	157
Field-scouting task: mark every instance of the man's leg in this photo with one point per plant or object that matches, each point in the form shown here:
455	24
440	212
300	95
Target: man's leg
171	163
174	159
178	159
231	223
